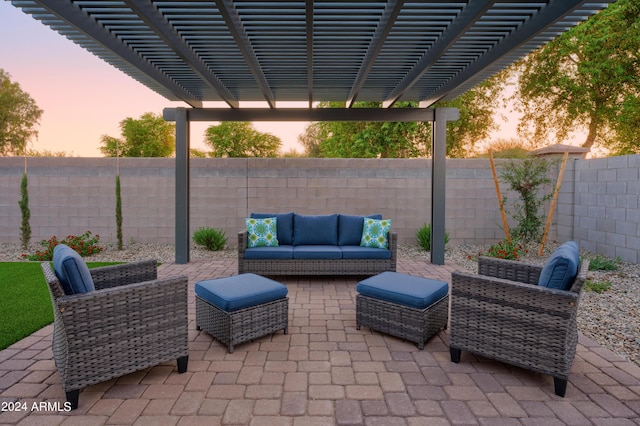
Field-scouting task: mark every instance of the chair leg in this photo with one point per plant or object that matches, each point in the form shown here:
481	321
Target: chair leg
560	386
182	363
455	354
73	397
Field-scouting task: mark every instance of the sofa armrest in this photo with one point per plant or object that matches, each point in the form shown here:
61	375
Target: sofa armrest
128	273
242	242
509	270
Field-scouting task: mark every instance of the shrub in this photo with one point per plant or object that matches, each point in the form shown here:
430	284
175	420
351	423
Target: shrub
511	250
602	263
85	244
424	237
25	227
597	286
211	238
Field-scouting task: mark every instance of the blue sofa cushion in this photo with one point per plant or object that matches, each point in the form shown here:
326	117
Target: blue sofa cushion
315	230
375	233
358	252
317	252
240	291
71	270
407	290
262	232
284	226
561	268
350	228
280	252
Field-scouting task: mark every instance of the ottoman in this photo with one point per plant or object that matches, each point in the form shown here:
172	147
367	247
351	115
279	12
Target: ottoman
405	306
241	308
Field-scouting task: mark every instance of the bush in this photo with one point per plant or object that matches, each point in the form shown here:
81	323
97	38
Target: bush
510	250
210	238
85	244
424	237
602	263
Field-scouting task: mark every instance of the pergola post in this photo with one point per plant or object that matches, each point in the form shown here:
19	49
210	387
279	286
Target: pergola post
438	178
182	208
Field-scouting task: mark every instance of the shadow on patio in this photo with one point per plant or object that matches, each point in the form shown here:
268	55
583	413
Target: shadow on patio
323	372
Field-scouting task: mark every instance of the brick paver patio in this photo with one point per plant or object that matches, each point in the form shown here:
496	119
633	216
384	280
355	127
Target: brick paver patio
324	372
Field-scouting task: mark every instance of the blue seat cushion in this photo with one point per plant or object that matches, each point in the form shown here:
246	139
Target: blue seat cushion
284	225
402	289
358	252
279	252
310	230
561	268
240	291
71	270
350	228
317	252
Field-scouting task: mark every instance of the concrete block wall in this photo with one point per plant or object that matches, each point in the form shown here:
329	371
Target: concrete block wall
601	206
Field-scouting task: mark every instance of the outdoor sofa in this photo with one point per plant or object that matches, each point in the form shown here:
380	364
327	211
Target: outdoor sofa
521	314
334	244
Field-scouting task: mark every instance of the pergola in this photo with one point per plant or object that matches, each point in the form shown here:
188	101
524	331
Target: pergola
232	51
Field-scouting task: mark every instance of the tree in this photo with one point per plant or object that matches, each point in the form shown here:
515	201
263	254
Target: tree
149	136
588	77
25	226
19	116
240	139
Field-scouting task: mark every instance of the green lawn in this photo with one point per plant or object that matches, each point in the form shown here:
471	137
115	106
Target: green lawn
25	305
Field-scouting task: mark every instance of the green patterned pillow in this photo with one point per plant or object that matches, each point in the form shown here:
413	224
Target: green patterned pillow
375	233
262	232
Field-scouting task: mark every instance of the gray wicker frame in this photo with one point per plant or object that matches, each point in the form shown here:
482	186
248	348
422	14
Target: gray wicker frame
415	325
503	314
243	325
271	267
132	321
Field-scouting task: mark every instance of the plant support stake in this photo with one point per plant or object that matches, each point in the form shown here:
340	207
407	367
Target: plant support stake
502	212
553	202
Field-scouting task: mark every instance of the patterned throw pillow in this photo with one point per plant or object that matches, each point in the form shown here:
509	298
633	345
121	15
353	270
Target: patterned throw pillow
262	232
375	233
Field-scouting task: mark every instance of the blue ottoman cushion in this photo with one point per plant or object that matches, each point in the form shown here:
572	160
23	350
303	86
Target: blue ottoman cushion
240	291
407	290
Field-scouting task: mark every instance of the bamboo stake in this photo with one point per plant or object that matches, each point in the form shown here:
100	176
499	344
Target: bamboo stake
553	202
499	194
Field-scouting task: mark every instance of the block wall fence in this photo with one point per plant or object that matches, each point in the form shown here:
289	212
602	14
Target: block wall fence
597	204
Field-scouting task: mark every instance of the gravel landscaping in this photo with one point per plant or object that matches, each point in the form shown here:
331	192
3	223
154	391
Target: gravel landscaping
610	318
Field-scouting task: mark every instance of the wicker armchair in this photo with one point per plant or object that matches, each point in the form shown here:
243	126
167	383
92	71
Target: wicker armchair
502	314
130	322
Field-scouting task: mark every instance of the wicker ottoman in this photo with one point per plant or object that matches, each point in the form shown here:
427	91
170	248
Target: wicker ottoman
241	308
412	308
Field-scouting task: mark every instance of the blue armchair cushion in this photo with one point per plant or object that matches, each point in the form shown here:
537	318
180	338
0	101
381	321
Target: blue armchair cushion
561	268
284	226
262	232
240	291
350	228
403	289
315	230
71	270
317	252
375	233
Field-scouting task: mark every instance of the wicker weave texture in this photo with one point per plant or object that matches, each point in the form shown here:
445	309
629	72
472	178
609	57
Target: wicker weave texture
521	324
271	267
233	328
415	325
120	328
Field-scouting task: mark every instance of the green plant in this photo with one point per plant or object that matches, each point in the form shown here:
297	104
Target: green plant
118	213
25	226
528	177
211	238
511	250
597	286
85	244
424	237
603	263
